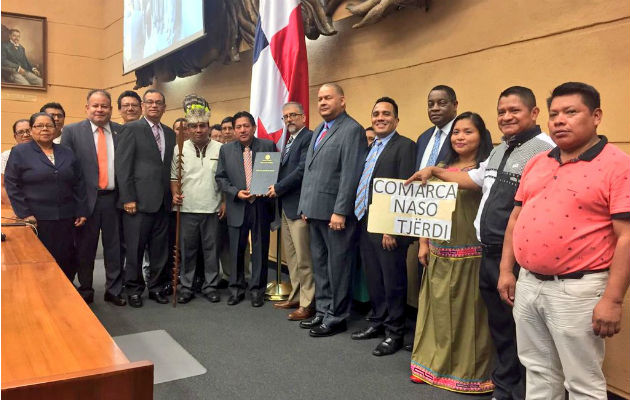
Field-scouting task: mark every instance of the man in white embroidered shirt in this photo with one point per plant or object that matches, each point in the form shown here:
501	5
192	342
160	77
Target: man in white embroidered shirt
200	206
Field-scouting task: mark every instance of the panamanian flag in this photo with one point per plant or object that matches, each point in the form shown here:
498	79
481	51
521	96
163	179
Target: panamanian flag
280	70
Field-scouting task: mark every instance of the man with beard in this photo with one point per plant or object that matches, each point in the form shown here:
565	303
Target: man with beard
295	234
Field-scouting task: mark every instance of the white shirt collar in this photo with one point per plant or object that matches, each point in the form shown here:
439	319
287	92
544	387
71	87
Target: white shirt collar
106	127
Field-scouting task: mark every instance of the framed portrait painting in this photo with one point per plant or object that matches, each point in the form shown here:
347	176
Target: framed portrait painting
23	51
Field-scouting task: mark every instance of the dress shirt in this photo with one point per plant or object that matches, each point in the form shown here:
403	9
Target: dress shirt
111	181
201	191
446	129
162	140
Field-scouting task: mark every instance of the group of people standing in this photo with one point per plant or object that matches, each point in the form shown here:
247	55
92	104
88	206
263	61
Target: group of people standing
536	266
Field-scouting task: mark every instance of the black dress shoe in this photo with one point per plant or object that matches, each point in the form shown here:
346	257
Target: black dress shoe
388	346
185	297
234	300
312	322
116	300
213	297
89	299
258	300
135	300
368	333
409	347
324	330
158	297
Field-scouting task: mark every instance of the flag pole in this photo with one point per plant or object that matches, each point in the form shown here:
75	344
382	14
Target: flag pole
278	290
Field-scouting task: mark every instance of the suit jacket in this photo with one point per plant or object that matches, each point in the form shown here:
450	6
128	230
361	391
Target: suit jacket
13	58
80	138
421	145
230	176
330	173
40	188
291	173
141	174
397	161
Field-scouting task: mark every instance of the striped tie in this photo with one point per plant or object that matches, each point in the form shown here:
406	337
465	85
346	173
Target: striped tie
285	156
360	204
435	150
321	135
247	165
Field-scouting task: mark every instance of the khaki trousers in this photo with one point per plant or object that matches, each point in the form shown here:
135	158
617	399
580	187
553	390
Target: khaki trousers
297	250
555	339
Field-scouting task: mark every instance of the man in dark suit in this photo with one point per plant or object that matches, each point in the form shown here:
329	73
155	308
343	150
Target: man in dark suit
93	142
295	234
442	108
384	256
15	65
245	212
143	165
327	202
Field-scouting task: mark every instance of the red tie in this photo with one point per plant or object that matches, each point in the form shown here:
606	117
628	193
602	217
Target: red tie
101	156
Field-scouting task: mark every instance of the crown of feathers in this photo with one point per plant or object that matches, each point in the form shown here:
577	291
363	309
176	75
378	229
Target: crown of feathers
194	104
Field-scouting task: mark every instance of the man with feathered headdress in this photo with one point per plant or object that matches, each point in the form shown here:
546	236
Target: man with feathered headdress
199	198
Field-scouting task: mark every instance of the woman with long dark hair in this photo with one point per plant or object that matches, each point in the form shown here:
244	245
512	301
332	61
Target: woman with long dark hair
452	347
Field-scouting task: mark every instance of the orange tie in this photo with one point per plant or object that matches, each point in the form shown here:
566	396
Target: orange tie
101	155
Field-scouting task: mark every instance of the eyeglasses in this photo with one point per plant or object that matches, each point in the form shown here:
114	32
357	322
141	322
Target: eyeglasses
23	132
158	103
290	116
129	105
57	116
42	126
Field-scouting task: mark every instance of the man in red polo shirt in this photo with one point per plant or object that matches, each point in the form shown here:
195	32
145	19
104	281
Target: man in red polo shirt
570	233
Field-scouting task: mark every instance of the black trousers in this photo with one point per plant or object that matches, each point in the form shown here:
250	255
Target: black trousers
105	220
58	238
508	375
334	256
386	273
257	221
142	230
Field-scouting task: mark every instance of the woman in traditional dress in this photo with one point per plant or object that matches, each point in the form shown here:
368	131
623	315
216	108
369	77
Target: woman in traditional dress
452	347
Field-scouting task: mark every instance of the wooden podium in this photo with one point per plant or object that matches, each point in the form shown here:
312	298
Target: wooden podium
53	346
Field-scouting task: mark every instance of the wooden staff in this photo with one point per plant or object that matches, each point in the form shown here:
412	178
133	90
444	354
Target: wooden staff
179	165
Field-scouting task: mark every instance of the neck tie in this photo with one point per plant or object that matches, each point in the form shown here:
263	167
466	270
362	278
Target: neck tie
322	134
435	150
156	135
285	156
247	164
360	204
101	157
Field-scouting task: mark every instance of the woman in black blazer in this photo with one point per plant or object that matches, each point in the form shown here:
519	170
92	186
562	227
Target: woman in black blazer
45	187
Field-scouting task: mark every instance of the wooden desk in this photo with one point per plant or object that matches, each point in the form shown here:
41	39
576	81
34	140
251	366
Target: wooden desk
53	346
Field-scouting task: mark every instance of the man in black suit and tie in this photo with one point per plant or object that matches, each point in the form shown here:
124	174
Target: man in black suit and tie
245	212
442	108
93	142
15	65
384	256
327	202
294	230
143	169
